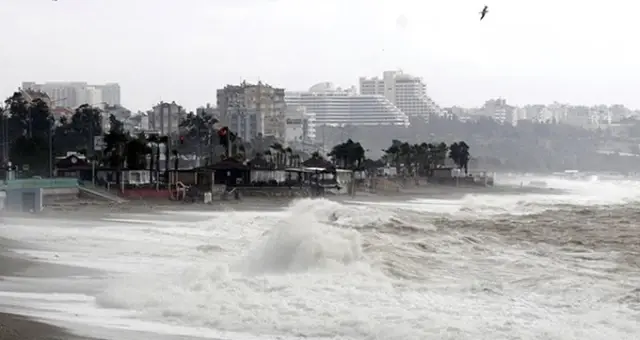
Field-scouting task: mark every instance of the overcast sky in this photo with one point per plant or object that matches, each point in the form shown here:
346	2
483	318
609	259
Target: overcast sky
582	52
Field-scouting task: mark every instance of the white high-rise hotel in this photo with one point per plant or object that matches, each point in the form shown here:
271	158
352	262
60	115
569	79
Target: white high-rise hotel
406	92
337	107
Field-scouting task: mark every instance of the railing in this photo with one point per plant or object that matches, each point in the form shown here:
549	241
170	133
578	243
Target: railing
45	183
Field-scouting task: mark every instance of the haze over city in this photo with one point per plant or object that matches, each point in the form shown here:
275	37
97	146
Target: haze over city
294	170
540	52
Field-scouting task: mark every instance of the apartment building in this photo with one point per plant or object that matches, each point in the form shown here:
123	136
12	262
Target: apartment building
252	109
300	125
165	118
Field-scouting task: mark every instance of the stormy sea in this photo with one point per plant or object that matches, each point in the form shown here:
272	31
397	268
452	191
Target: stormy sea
562	264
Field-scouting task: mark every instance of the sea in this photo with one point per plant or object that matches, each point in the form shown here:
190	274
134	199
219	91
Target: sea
562	264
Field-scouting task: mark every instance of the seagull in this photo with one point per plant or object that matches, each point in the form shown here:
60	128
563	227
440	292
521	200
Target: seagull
484	12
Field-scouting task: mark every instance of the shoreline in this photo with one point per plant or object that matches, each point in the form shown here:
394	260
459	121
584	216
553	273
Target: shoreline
90	207
19	327
14	326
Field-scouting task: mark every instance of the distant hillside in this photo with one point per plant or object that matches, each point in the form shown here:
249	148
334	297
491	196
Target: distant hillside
526	147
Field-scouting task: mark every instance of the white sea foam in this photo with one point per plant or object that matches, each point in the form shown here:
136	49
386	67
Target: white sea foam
321	269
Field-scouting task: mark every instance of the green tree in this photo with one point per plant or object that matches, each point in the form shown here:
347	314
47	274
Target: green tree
278	152
29	133
440	153
348	155
136	151
115	141
199	133
86	123
454	153
18	113
153	142
393	154
465	156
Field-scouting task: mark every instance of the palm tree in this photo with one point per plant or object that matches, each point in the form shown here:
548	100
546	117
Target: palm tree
268	156
165	141
338	155
464	156
198	130
295	160
239	152
288	152
406	154
277	147
441	153
454	153
154	150
422	157
393	154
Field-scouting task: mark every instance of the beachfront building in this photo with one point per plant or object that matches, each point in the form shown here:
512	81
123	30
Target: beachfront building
408	93
300	125
253	109
337	107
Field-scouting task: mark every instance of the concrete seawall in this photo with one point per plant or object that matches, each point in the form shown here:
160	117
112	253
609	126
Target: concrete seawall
61	191
53	189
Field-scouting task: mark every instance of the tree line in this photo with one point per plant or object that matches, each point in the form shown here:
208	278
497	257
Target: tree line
528	147
410	159
33	137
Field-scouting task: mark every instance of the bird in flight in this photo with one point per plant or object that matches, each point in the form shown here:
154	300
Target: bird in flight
484	12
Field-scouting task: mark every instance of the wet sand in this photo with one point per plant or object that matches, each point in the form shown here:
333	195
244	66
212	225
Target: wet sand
20	327
17	327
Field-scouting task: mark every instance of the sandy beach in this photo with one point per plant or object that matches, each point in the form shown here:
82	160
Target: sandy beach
17	327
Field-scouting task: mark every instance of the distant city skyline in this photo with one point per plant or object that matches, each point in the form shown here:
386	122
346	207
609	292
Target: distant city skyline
61	98
521	51
75	93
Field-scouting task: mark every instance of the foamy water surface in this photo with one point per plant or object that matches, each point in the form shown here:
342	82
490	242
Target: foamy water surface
358	270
